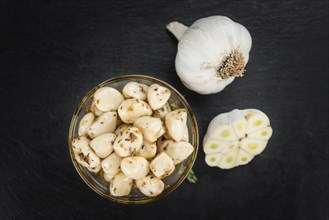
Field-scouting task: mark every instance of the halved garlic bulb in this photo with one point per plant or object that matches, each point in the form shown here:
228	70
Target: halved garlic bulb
107	99
234	138
135	90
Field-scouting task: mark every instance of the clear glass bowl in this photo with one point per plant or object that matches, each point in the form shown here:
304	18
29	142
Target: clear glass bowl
96	182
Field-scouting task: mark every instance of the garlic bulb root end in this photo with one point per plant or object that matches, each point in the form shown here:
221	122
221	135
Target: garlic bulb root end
232	65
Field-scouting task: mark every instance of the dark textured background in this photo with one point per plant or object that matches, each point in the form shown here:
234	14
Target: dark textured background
52	53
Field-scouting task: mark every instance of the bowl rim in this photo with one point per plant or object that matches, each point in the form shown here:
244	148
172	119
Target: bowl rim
74	123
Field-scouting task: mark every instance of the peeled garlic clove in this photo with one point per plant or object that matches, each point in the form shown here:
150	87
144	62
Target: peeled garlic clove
108	177
111	164
87	158
157	96
131	109
185	135
162	112
80	143
253	146
175	123
135	167
243	157
128	142
120	185
118	131
256	121
103	144
135	90
106	123
213	159
238	135
107	99
162	165
152	128
228	160
95	110
150	185
263	134
178	151
148	150
85	122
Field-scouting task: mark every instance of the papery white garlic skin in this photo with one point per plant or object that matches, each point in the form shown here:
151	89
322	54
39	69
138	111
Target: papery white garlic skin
205	51
234	138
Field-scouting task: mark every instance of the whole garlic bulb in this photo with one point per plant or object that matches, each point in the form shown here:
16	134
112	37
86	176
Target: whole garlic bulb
211	53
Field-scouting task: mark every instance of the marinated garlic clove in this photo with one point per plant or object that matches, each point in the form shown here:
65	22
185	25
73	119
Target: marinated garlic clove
80	143
150	185
108	177
162	112
120	129
111	164
159	143
186	136
127	143
175	123
107	99
95	110
178	151
152	128
106	123
120	185
162	165
231	146
135	167
131	109
135	90
103	144
228	160
85	123
157	96
148	150
87	158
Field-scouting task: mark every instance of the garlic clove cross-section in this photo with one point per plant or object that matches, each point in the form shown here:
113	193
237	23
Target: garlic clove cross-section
236	137
211	53
131	109
150	185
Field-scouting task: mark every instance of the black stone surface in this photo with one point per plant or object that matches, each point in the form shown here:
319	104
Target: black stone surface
52	53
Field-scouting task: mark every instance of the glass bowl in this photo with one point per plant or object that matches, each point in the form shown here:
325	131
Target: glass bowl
96	182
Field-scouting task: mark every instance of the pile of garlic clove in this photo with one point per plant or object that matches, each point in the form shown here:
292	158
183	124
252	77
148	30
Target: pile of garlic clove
133	136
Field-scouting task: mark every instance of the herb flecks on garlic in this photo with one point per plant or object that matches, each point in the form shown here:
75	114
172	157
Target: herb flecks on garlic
211	53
